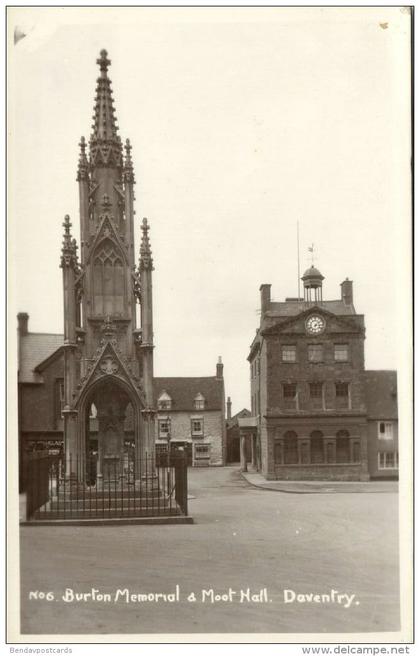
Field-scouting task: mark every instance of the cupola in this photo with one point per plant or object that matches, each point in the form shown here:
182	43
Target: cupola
312	285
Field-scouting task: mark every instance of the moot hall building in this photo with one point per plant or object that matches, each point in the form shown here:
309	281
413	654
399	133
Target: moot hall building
316	413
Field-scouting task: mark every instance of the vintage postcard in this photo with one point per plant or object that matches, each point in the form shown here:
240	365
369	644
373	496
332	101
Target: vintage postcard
209	307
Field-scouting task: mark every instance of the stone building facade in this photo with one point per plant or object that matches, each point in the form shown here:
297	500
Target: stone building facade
191	416
312	412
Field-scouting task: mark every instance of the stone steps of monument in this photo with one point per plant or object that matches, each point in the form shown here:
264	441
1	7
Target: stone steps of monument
110	513
111	502
106	494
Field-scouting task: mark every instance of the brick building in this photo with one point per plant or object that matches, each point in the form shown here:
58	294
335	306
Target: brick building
317	413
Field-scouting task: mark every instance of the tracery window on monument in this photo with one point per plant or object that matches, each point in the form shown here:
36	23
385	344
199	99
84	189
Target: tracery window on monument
108	280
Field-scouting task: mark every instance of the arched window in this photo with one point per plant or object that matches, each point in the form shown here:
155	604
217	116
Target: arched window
317	447
108	280
290	448
342	446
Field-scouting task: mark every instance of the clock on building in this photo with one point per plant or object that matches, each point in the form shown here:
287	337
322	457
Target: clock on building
315	324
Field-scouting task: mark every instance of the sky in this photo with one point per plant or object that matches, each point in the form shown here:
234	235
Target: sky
243	122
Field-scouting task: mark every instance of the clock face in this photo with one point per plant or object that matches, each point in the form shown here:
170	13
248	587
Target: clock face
315	324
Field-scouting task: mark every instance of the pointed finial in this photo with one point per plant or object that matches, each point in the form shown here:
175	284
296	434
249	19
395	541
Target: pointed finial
69	247
103	62
146	261
104	128
67	225
128	163
82	169
128	147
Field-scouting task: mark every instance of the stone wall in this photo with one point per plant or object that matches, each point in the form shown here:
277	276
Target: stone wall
339	472
302	372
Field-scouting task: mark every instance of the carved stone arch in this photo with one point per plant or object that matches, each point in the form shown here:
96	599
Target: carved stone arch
124	384
117	386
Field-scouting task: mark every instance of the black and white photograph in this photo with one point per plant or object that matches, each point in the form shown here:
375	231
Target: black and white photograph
209	261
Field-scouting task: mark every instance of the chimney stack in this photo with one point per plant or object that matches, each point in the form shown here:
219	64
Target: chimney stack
229	408
347	292
265	291
23	318
219	368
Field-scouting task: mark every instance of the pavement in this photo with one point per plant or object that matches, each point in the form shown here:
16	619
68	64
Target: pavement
254	562
321	487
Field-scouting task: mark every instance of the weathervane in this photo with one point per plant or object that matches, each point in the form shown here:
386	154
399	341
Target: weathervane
311	250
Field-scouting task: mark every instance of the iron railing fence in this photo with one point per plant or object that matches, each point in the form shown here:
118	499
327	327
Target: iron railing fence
126	487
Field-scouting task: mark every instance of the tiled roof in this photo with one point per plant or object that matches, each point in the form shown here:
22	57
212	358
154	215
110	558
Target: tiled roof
291	308
183	391
234	420
34	349
381	394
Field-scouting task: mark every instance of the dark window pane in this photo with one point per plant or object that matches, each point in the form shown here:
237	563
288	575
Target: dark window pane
290	448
